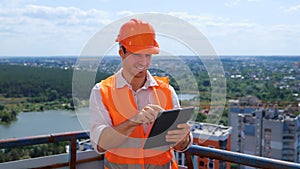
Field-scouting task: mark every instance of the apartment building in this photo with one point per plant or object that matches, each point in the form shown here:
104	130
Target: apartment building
264	131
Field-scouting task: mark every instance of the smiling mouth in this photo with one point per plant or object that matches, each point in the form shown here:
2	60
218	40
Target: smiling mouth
141	68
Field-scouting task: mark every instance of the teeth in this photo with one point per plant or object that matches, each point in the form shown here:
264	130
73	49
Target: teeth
140	67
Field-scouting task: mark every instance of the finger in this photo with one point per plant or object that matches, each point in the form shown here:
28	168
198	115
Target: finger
156	107
151	112
149	116
147	107
173	138
177	132
183	126
146	115
176	136
140	117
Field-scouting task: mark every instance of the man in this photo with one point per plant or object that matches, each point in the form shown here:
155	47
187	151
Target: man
124	106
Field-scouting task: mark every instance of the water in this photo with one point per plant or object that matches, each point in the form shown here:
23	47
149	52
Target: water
186	96
47	122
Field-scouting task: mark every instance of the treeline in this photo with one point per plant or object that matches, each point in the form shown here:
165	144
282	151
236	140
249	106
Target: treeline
47	84
19	153
40	89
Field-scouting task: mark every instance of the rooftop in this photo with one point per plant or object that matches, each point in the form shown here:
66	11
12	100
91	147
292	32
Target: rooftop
209	131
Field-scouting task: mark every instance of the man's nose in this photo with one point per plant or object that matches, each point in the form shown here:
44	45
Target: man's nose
143	59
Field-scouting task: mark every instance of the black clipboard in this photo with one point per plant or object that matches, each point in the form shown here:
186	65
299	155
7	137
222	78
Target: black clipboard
167	120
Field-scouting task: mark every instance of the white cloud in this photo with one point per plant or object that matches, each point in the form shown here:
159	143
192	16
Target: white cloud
125	13
71	15
54	14
14	3
232	3
243	36
48	28
212	25
292	8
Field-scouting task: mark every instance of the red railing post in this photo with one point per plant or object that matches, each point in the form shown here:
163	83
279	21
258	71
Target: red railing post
72	153
189	161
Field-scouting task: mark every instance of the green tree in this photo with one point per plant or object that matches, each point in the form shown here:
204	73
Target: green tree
53	95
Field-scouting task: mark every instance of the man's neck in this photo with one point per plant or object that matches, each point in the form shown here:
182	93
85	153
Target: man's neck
135	82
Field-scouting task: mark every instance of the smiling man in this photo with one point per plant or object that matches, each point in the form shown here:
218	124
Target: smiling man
124	106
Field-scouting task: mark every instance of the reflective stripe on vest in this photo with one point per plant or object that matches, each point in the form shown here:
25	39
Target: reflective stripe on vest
121	107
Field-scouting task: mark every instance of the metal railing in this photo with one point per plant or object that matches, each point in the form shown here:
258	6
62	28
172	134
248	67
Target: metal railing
68	136
238	158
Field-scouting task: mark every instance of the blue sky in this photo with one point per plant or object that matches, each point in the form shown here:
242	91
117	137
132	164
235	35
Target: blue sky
233	27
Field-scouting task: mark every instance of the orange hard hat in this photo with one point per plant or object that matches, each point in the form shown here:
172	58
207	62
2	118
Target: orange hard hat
138	36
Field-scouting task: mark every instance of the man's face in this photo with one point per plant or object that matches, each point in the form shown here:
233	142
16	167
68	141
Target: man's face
136	64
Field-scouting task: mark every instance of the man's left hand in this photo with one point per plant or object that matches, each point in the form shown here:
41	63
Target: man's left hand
180	136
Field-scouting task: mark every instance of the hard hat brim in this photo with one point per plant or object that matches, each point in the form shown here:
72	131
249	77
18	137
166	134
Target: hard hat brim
153	49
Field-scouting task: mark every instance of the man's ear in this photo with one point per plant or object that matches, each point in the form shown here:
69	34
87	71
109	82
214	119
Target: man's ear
121	52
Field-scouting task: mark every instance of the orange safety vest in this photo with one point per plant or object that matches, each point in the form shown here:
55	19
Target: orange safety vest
121	106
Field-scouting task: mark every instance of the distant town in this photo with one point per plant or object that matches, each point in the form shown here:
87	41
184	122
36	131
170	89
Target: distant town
283	72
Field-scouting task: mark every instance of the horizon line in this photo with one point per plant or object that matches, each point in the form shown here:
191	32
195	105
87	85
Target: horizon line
227	55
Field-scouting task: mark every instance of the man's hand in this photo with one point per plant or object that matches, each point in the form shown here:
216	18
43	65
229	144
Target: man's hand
147	115
114	136
181	136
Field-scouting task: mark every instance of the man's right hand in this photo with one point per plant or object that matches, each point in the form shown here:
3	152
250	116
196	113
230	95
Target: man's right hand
147	115
114	136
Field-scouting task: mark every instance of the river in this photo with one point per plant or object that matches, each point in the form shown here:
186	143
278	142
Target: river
40	123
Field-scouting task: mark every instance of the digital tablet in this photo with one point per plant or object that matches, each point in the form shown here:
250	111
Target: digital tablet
167	120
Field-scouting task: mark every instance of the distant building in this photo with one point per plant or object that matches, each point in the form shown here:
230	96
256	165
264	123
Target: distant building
264	131
214	136
233	121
